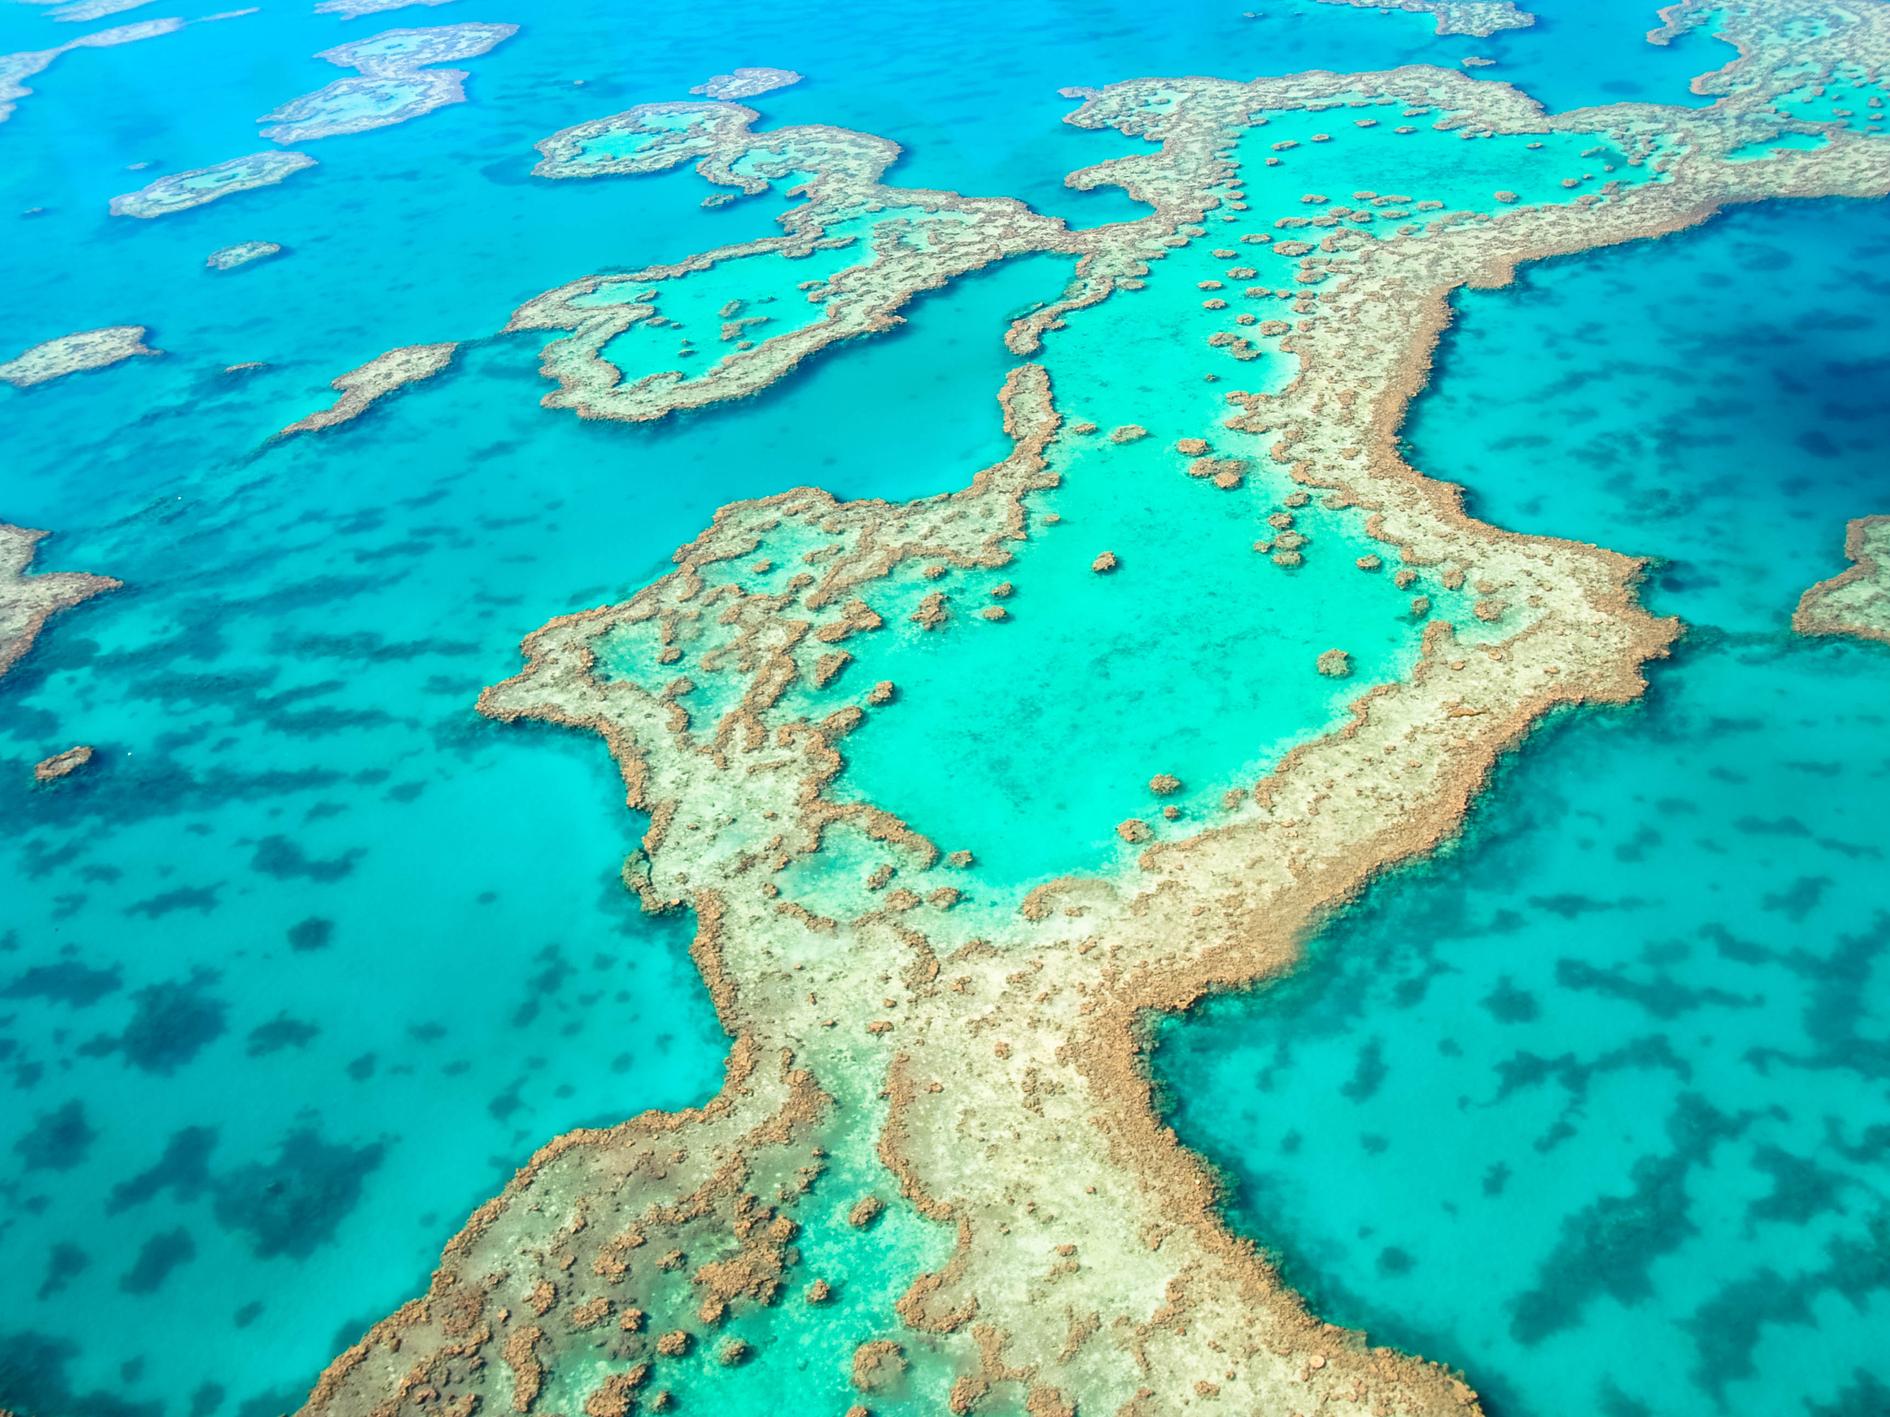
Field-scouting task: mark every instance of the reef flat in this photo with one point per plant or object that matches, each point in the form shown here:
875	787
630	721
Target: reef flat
181	191
395	83
28	601
84	11
361	388
746	83
75	354
243	253
1091	1270
1476	18
355	9
1856	601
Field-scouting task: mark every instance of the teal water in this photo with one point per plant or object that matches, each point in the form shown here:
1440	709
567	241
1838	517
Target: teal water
1594	1104
313	956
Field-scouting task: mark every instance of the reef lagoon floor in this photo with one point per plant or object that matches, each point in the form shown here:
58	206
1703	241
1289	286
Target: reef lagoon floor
1040	711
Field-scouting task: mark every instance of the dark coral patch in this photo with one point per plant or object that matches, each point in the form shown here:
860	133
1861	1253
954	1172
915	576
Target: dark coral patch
313	933
160	1254
279	1033
183	1170
67	982
279	857
294	1204
58	1141
172	1023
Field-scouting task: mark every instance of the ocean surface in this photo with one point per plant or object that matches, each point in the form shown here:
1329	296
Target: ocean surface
313	956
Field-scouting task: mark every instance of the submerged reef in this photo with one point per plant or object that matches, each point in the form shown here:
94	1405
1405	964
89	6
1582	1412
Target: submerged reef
184	190
355	9
747	83
16	68
1089	1267
74	354
1857	600
241	254
394	83
361	388
1476	18
27	602
85	11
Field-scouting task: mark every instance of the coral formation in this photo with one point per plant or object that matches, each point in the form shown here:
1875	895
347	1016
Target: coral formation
74	354
229	258
184	190
62	764
1477	18
746	83
1856	601
1090	1269
355	9
26	602
394	82
361	388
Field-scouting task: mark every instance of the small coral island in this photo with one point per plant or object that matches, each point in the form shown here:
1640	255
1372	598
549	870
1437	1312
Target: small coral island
75	354
395	82
243	253
361	388
746	83
183	190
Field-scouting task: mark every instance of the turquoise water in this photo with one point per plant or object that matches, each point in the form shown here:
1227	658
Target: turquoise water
1594	1104
313	956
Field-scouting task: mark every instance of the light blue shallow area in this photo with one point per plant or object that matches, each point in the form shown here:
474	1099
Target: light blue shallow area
313	956
1596	1104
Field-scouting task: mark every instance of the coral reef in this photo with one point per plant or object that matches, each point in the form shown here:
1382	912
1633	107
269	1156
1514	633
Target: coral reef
26	602
62	764
183	190
1091	1269
1476	18
229	258
1856	601
746	83
355	9
394	83
914	240
361	388
74	354
85	11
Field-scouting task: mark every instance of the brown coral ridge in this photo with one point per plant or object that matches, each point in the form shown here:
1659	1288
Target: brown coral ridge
1856	601
561	1266
1092	1268
62	764
27	602
362	388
